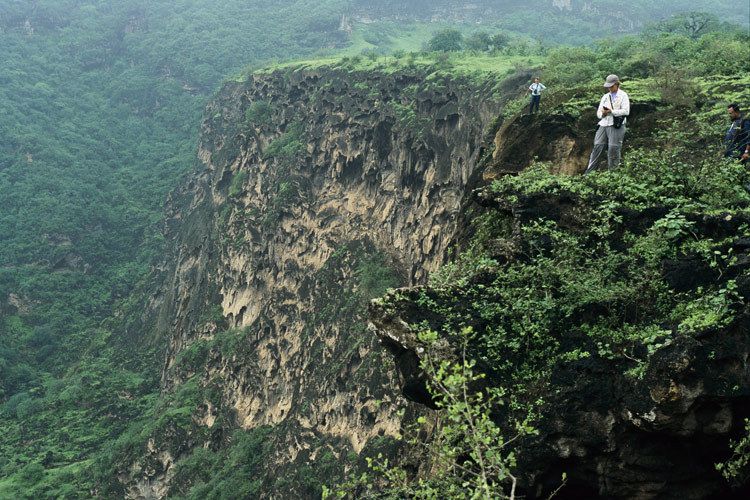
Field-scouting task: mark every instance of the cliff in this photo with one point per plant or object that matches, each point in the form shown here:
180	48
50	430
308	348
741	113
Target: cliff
614	306
319	188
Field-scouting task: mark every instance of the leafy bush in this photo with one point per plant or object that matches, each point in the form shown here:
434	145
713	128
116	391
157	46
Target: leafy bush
448	40
468	456
288	146
737	468
259	114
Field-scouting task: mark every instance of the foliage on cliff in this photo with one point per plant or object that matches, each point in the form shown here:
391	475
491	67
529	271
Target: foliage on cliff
101	103
613	267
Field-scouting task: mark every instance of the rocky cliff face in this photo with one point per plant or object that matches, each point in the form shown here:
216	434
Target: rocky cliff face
318	188
657	436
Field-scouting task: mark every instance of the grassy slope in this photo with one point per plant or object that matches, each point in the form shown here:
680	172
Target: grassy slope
474	66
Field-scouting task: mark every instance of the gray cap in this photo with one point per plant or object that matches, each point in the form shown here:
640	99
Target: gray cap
611	80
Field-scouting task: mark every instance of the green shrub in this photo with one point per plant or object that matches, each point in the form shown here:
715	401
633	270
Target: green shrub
736	469
447	40
259	114
237	187
288	146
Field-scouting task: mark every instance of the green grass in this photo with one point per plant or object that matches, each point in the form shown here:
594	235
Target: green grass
460	64
392	37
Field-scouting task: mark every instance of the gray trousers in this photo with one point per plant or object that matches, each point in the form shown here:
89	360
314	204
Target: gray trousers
610	138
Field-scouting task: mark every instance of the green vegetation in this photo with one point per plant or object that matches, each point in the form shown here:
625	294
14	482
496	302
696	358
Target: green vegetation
259	114
586	26
216	461
658	65
583	23
452	40
481	41
238	184
288	146
672	57
568	269
449	40
737	468
373	274
101	104
594	277
468	456
585	283
472	67
232	472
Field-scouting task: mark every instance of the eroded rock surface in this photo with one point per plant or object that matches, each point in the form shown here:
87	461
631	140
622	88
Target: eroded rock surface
317	189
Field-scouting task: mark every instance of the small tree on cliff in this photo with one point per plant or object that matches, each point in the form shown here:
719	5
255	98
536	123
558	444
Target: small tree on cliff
467	454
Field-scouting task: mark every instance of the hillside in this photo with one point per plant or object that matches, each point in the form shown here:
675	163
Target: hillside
322	186
102	103
219	343
306	208
608	312
552	22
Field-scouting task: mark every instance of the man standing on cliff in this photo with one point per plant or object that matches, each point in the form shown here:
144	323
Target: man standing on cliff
614	107
536	94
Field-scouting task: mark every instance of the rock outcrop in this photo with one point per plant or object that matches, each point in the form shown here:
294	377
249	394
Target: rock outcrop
321	187
318	188
615	437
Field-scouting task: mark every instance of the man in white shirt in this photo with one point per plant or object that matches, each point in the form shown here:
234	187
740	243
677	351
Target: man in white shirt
613	109
536	94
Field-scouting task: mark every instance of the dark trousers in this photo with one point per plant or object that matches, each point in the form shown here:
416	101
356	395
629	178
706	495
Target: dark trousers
534	103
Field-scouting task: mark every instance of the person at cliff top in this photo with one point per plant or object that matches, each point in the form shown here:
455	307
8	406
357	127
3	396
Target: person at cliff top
536	94
614	107
737	138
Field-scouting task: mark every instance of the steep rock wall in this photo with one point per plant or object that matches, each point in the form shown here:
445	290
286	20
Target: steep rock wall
318	189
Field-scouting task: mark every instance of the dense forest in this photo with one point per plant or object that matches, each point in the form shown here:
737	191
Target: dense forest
102	103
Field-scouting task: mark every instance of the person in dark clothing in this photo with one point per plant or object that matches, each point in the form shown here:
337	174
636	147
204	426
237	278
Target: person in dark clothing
737	138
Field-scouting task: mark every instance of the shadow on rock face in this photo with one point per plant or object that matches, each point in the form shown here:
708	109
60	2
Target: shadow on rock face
561	138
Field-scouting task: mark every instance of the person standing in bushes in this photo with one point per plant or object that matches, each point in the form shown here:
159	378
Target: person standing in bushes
614	107
737	138
536	90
